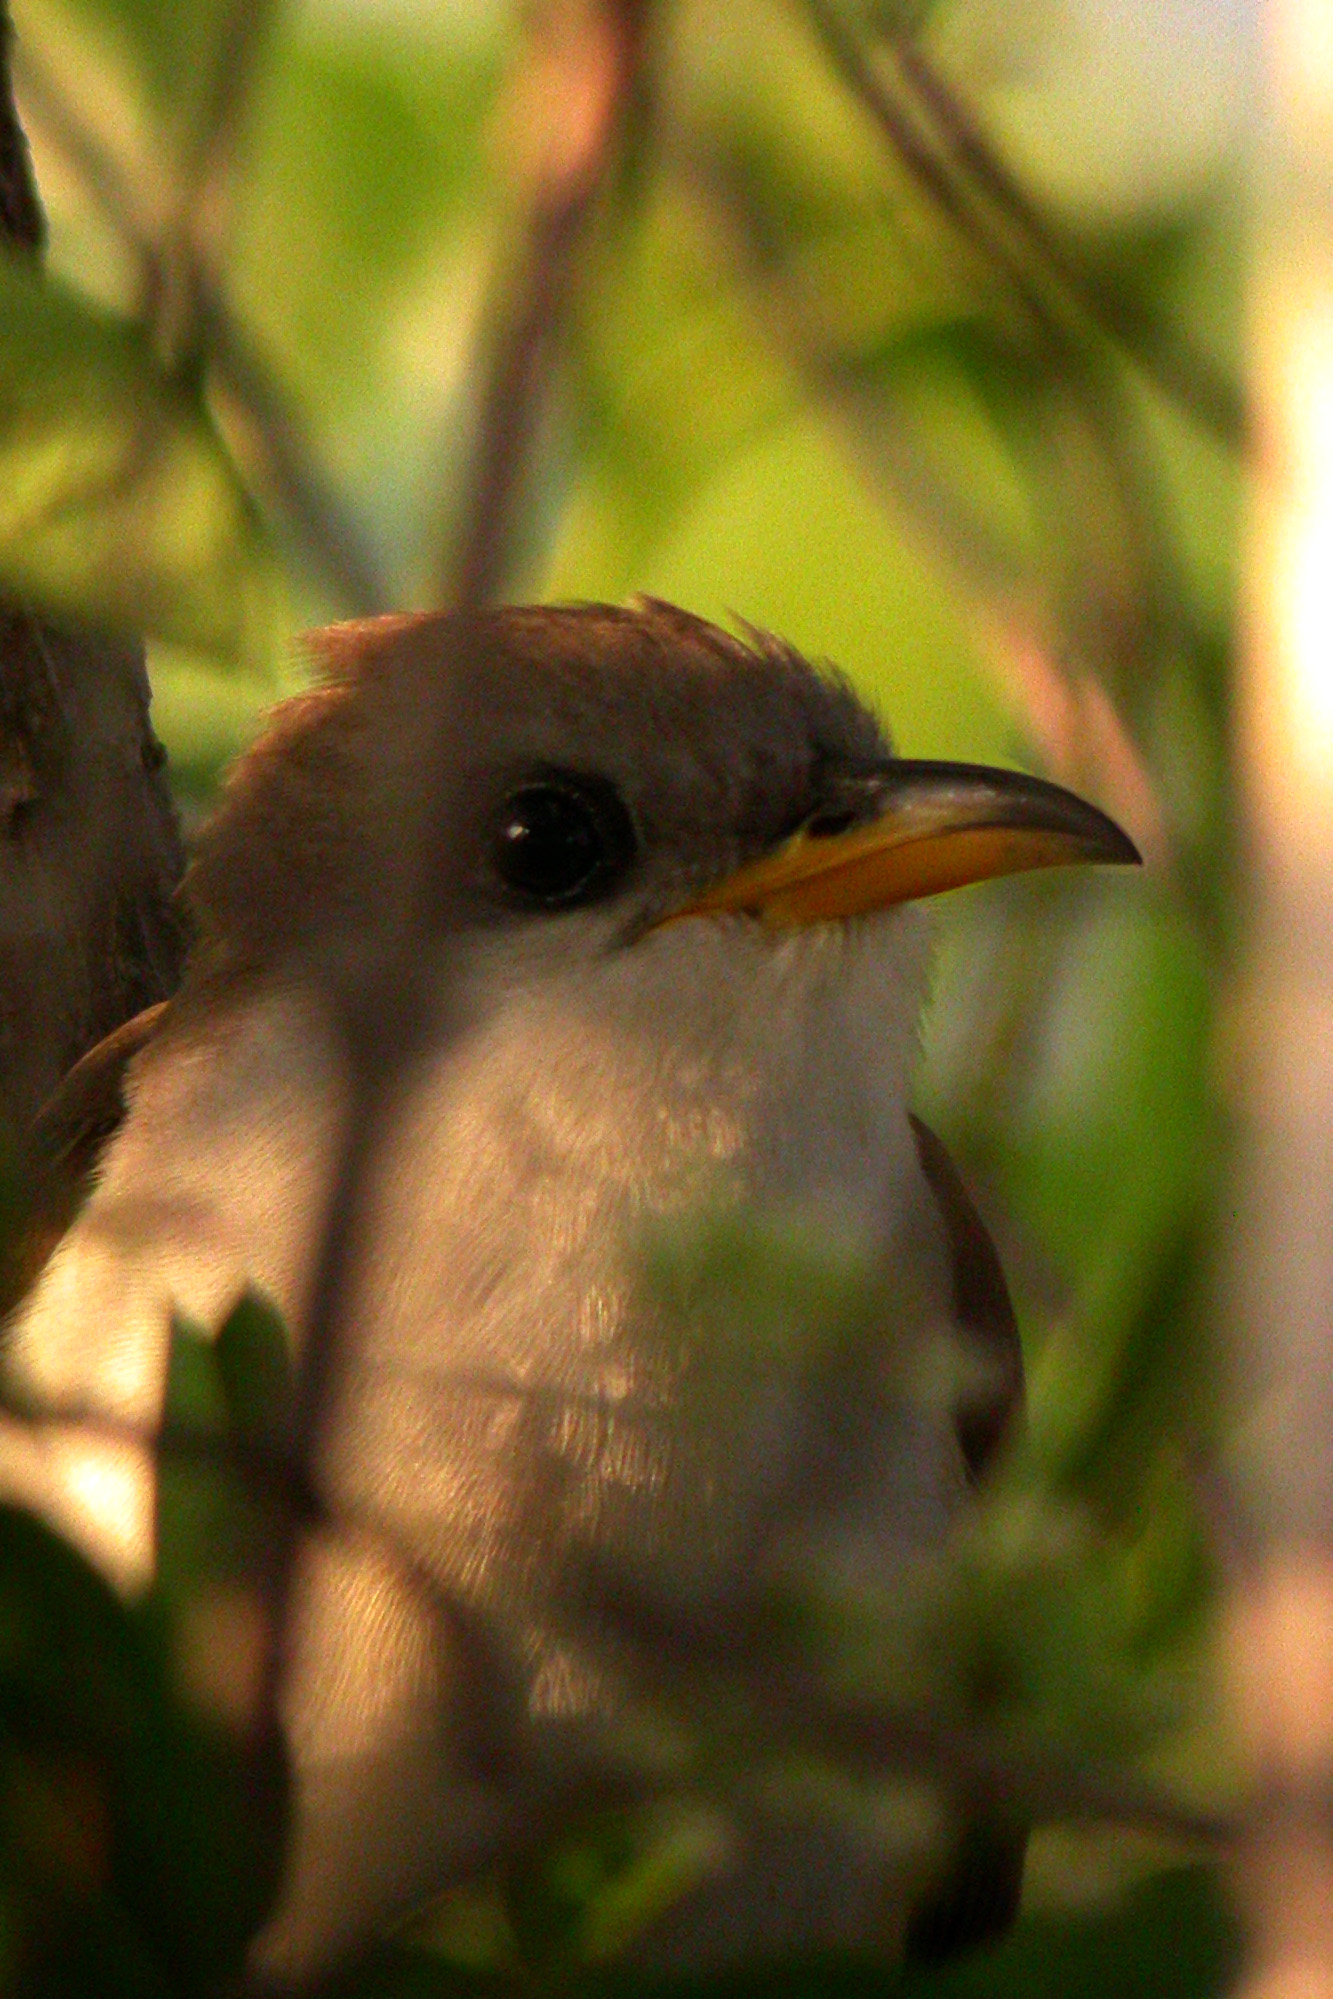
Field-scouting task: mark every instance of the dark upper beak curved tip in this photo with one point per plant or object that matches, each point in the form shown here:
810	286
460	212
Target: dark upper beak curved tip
909	828
958	796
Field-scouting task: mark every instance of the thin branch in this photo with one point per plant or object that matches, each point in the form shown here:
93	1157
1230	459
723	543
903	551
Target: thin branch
1034	1780
918	154
1022	1778
302	496
386	1009
1093	389
207	154
886	447
326	534
1164	352
883	441
581	80
1165	355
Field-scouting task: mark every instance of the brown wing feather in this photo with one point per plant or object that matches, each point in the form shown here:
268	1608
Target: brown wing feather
981	1303
65	1141
979	1897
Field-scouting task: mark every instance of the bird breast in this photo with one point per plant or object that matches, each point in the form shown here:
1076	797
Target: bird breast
515	1401
577	1103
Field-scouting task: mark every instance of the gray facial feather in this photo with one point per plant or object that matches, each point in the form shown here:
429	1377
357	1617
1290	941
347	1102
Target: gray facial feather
715	746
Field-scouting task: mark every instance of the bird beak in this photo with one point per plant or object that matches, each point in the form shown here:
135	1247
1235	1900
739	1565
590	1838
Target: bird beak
935	826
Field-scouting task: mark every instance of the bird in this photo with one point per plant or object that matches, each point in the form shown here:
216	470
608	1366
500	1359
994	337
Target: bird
681	969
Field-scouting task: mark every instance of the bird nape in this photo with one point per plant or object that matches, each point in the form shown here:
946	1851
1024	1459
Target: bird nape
676	968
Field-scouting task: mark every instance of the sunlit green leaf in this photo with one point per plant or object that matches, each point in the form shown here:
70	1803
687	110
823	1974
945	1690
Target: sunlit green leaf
117	502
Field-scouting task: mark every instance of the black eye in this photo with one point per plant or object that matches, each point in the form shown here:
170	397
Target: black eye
563	837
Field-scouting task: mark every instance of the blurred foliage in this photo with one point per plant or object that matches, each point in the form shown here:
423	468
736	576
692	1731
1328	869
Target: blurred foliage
1172	1939
142	1833
971	446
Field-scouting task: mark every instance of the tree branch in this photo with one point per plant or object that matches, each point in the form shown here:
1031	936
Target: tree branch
1022	1778
1046	273
579	82
1164	353
90	852
1057	698
21	220
300	492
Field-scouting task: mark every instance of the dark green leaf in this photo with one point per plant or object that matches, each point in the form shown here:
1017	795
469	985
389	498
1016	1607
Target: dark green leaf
255	1367
195	1400
73	1669
1174	1938
201	1826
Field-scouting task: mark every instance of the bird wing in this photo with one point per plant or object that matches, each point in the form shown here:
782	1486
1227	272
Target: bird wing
978	1899
982	1307
65	1141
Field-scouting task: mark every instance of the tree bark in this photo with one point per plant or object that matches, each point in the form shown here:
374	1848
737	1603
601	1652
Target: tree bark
90	851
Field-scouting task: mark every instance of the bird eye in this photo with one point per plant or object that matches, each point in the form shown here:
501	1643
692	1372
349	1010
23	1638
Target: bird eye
563	838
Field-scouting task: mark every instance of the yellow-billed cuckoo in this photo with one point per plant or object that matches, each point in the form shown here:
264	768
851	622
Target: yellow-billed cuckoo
689	967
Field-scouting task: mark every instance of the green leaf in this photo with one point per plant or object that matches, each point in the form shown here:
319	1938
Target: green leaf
1175	1938
92	1729
211	1523
72	1666
118	503
761	1292
254	1365
201	1824
202	1813
202	1526
195	1398
228	1397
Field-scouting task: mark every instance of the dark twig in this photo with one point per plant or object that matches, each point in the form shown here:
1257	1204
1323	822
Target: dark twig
1029	280
269	1473
888	449
1026	1779
280	1480
582	84
208	147
326	535
918	153
102	178
1047	275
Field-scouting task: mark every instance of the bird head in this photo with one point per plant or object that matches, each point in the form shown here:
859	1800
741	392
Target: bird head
618	771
